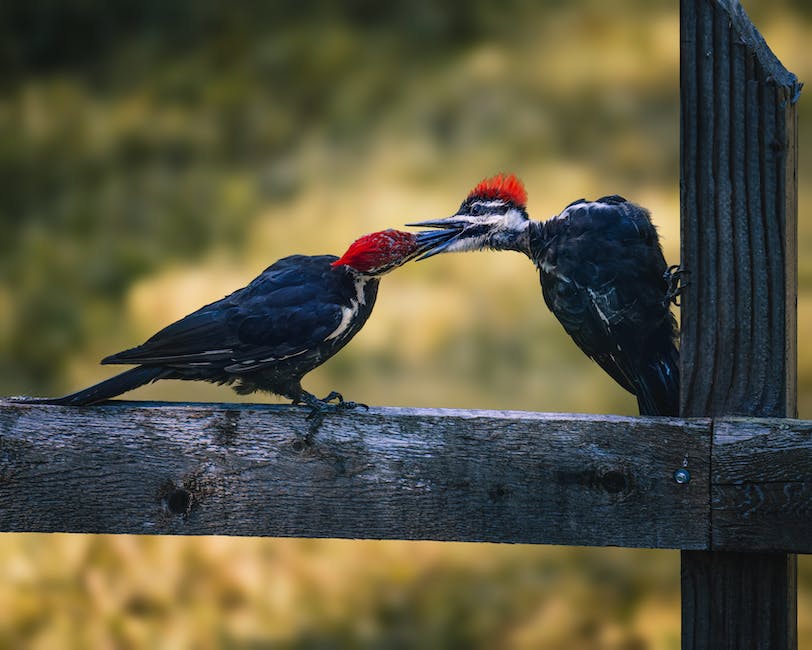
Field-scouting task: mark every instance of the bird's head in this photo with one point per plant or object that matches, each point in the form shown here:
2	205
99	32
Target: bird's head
492	216
380	252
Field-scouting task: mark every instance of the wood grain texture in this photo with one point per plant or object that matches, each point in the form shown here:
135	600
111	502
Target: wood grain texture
738	187
761	492
739	217
716	590
386	473
131	467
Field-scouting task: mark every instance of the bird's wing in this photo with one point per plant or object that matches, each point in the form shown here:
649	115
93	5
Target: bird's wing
603	280
282	313
287	332
592	318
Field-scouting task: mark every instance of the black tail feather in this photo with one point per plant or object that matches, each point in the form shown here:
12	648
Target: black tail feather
104	390
658	388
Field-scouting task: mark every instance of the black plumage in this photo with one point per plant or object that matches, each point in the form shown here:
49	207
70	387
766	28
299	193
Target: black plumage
265	336
603	275
294	316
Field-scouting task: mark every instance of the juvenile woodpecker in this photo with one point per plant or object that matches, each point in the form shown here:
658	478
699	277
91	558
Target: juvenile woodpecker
266	336
603	275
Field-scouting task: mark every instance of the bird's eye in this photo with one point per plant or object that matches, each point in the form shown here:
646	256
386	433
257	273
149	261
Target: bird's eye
477	210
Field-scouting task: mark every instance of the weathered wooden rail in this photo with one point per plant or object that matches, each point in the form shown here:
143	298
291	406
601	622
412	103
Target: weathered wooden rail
732	484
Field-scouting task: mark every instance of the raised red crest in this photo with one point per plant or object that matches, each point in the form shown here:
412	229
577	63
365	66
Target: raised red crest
378	249
502	186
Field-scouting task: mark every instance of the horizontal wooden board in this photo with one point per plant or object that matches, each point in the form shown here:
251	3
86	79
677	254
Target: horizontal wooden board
208	469
761	497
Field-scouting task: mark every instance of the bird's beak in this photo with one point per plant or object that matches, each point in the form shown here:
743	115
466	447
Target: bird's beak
456	233
432	242
454	222
425	242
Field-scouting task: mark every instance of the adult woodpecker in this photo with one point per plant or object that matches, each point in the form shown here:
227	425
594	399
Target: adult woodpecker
294	316
603	275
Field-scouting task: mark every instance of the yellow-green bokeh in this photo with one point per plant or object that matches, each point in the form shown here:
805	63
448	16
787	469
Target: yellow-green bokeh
154	158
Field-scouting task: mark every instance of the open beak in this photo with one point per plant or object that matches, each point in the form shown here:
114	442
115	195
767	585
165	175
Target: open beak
449	231
425	243
459	232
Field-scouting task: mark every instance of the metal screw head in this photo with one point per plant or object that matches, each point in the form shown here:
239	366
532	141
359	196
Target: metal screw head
682	475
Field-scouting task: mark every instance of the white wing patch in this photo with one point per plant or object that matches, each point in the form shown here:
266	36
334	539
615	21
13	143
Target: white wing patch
548	267
347	315
251	364
597	299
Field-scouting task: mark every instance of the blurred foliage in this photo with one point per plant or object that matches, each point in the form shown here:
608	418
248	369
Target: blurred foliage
154	156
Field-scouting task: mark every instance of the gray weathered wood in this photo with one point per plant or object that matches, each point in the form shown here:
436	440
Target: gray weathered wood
716	590
761	485
386	473
131	467
739	217
738	348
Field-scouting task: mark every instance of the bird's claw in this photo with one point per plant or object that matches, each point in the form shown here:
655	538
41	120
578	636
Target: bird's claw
331	403
675	284
333	395
325	403
346	405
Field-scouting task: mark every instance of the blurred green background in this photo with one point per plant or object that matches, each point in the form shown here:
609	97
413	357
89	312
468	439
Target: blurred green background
155	156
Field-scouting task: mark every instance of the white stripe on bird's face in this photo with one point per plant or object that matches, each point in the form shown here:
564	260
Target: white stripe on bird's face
494	203
360	285
490	230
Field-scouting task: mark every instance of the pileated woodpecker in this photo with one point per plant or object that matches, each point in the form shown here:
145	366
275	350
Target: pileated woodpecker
603	275
266	336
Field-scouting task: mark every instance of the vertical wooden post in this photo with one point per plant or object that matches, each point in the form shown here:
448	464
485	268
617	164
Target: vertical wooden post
739	221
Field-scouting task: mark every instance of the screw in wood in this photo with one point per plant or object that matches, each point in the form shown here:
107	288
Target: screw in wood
682	476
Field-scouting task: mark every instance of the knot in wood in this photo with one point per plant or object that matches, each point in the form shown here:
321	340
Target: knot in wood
614	481
179	501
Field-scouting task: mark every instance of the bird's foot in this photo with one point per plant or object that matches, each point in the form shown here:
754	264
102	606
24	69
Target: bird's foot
320	407
341	404
675	284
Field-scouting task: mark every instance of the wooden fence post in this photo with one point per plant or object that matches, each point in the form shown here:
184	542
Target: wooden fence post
739	221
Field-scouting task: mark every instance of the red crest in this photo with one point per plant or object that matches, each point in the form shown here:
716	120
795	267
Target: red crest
506	187
378	250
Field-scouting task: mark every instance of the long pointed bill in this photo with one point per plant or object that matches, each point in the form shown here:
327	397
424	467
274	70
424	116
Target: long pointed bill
436	242
455	222
458	233
448	233
424	244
